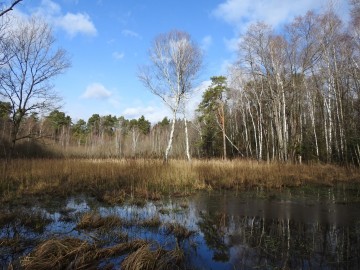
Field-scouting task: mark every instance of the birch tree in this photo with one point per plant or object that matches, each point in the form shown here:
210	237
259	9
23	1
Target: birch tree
175	61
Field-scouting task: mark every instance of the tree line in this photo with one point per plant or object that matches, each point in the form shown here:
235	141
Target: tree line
295	95
292	95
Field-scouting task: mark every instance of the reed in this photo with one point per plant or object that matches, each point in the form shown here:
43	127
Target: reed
114	180
93	220
178	230
145	258
73	253
153	222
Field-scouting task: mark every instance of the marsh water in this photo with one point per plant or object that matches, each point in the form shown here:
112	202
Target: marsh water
301	228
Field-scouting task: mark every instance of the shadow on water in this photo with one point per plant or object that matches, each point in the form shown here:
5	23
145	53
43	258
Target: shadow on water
307	228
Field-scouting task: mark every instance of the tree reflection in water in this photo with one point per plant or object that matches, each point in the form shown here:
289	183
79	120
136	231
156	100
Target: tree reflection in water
214	229
317	228
247	242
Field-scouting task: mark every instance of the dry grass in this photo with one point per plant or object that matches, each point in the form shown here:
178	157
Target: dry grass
93	220
73	253
148	179
144	258
113	197
178	230
153	222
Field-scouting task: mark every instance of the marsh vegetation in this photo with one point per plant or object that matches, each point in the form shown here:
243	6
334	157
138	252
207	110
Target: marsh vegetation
307	227
114	181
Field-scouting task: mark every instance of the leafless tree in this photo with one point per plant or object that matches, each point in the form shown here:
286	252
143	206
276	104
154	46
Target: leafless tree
26	77
175	62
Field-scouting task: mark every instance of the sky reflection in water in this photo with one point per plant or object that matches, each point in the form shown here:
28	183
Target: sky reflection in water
294	229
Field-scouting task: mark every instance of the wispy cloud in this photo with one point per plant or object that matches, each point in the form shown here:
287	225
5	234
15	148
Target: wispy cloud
206	42
79	23
118	55
129	33
96	91
72	23
193	102
242	13
152	113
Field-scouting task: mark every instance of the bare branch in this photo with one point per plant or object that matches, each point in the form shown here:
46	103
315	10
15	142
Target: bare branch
6	10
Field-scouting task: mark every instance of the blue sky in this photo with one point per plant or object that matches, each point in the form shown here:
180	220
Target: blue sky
107	40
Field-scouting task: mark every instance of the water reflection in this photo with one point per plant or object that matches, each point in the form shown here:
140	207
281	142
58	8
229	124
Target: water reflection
244	232
294	229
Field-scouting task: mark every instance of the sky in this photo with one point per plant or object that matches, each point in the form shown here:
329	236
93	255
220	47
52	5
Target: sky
108	40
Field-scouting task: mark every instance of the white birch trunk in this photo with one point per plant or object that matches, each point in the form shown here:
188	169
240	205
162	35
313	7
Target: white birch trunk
187	139
168	148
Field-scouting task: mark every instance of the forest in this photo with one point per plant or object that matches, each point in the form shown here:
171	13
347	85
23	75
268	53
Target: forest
292	95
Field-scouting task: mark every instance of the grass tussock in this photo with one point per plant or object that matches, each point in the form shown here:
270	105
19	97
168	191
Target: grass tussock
93	220
153	222
144	258
73	253
178	230
114	197
115	180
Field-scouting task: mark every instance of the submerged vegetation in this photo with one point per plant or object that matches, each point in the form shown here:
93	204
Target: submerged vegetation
114	181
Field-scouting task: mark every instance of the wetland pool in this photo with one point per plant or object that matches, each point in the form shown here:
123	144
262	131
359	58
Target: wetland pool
298	228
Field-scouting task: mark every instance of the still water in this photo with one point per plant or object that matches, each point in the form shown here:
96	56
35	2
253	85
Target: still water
303	228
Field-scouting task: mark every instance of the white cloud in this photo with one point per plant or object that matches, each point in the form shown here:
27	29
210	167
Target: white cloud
49	7
118	55
242	13
96	91
206	42
194	100
71	23
152	113
79	23
129	33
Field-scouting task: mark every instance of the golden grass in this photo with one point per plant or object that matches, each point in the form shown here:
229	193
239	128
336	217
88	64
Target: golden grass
153	222
113	180
178	230
145	259
93	220
73	253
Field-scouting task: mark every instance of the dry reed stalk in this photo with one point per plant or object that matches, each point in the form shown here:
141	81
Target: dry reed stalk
73	253
153	222
93	220
119	249
144	258
58	253
150	178
114	197
178	230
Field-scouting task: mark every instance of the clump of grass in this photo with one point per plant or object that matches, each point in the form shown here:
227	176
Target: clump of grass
57	254
139	202
178	230
145	258
164	211
73	253
94	220
115	197
153	222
